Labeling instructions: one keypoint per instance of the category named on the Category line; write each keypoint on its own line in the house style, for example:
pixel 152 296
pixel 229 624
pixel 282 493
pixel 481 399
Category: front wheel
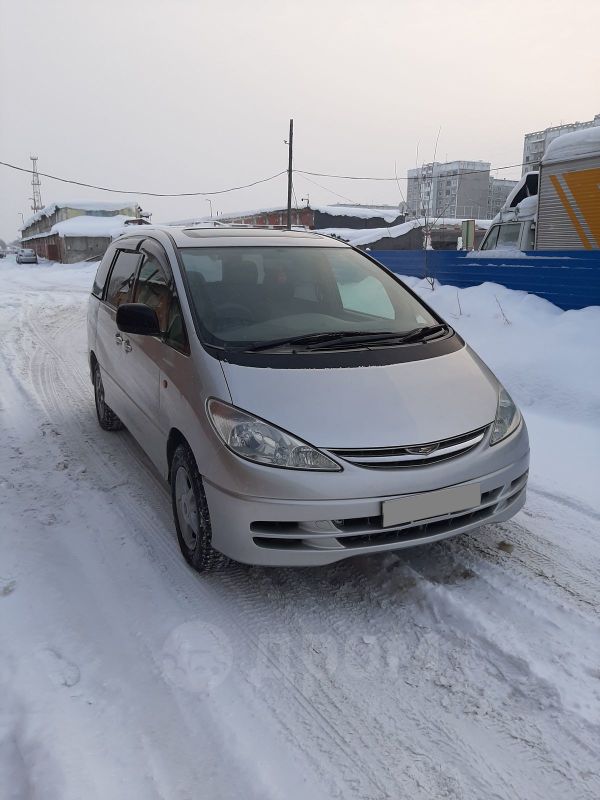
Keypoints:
pixel 190 511
pixel 106 416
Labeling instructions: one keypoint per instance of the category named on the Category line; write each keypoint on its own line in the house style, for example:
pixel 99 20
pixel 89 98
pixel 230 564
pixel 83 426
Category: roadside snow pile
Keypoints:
pixel 502 252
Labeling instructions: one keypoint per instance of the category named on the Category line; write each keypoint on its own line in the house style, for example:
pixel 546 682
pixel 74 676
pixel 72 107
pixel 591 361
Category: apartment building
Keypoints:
pixel 455 189
pixel 534 144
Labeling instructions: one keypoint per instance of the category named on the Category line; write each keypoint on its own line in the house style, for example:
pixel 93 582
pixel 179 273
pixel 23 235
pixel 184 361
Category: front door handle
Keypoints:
pixel 118 338
pixel 127 345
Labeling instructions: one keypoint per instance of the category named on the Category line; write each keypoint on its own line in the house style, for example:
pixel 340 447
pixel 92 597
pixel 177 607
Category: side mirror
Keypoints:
pixel 137 318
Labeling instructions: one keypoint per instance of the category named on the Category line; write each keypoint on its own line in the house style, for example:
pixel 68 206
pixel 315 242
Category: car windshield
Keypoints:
pixel 252 295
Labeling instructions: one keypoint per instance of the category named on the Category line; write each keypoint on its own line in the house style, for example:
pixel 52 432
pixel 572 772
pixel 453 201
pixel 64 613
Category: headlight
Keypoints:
pixel 507 419
pixel 257 440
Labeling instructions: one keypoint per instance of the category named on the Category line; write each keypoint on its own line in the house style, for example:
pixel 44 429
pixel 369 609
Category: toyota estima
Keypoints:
pixel 304 404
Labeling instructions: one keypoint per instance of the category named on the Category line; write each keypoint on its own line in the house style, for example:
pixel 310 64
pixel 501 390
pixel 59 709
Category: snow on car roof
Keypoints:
pixel 577 144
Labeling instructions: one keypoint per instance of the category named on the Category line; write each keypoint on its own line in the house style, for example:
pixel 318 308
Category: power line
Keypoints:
pixel 147 194
pixel 302 172
pixel 417 177
pixel 337 194
pixel 395 178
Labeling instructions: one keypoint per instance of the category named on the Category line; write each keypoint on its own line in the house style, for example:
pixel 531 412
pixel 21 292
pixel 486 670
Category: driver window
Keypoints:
pixel 152 289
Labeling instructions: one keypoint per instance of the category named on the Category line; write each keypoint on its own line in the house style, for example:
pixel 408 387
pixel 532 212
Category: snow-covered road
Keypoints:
pixel 469 669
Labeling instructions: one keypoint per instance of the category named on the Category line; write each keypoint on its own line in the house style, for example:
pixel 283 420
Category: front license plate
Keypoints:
pixel 417 507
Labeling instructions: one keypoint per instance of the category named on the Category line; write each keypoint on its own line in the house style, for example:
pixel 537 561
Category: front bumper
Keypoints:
pixel 313 532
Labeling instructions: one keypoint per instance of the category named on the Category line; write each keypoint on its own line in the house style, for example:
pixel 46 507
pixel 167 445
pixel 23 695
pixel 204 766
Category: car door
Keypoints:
pixel 143 354
pixel 109 340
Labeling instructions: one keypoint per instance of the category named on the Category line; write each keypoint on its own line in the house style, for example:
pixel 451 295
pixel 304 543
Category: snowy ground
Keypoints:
pixel 470 669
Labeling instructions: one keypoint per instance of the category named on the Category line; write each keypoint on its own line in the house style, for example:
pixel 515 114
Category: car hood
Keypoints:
pixel 399 404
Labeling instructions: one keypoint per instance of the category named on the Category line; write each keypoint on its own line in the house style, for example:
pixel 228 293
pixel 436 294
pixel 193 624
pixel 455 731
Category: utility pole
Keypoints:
pixel 290 155
pixel 35 187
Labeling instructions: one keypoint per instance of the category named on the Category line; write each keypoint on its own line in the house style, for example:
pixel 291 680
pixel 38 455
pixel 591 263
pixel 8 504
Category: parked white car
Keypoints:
pixel 305 405
pixel 27 256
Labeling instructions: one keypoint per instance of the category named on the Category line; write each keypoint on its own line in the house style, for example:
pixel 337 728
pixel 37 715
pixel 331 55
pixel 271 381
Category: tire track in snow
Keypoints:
pixel 317 718
pixel 49 371
pixel 330 721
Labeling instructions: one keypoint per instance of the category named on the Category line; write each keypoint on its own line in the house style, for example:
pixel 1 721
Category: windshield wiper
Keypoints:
pixel 421 334
pixel 424 334
pixel 309 339
pixel 340 339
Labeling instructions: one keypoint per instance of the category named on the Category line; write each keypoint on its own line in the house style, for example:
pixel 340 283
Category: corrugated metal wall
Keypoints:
pixel 569 206
pixel 569 280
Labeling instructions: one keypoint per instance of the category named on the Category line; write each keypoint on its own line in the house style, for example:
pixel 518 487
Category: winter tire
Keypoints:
pixel 190 511
pixel 106 416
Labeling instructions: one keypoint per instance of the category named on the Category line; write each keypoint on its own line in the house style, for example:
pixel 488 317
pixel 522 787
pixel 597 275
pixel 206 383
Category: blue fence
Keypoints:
pixel 567 279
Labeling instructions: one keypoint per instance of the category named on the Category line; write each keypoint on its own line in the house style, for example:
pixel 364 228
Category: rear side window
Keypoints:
pixel 101 274
pixel 121 278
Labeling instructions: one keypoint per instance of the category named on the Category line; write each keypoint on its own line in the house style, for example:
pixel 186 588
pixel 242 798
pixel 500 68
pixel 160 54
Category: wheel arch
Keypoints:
pixel 174 439
pixel 93 362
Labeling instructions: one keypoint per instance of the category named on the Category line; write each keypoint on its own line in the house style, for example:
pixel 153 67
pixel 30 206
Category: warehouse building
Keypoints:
pixel 314 217
pixel 78 231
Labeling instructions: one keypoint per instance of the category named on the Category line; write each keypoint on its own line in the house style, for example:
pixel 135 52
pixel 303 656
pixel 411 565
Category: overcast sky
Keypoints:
pixel 195 95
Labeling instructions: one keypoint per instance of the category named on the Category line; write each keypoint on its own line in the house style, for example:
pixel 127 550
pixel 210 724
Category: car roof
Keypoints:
pixel 235 236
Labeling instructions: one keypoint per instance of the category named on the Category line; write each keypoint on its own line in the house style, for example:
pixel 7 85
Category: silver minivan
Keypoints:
pixel 304 404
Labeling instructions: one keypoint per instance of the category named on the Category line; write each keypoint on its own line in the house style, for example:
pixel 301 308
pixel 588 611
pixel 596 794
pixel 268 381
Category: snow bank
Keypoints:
pixel 503 252
pixel 577 144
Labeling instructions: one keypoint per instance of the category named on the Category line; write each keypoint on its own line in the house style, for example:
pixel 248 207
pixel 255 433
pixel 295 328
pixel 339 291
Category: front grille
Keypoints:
pixel 416 455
